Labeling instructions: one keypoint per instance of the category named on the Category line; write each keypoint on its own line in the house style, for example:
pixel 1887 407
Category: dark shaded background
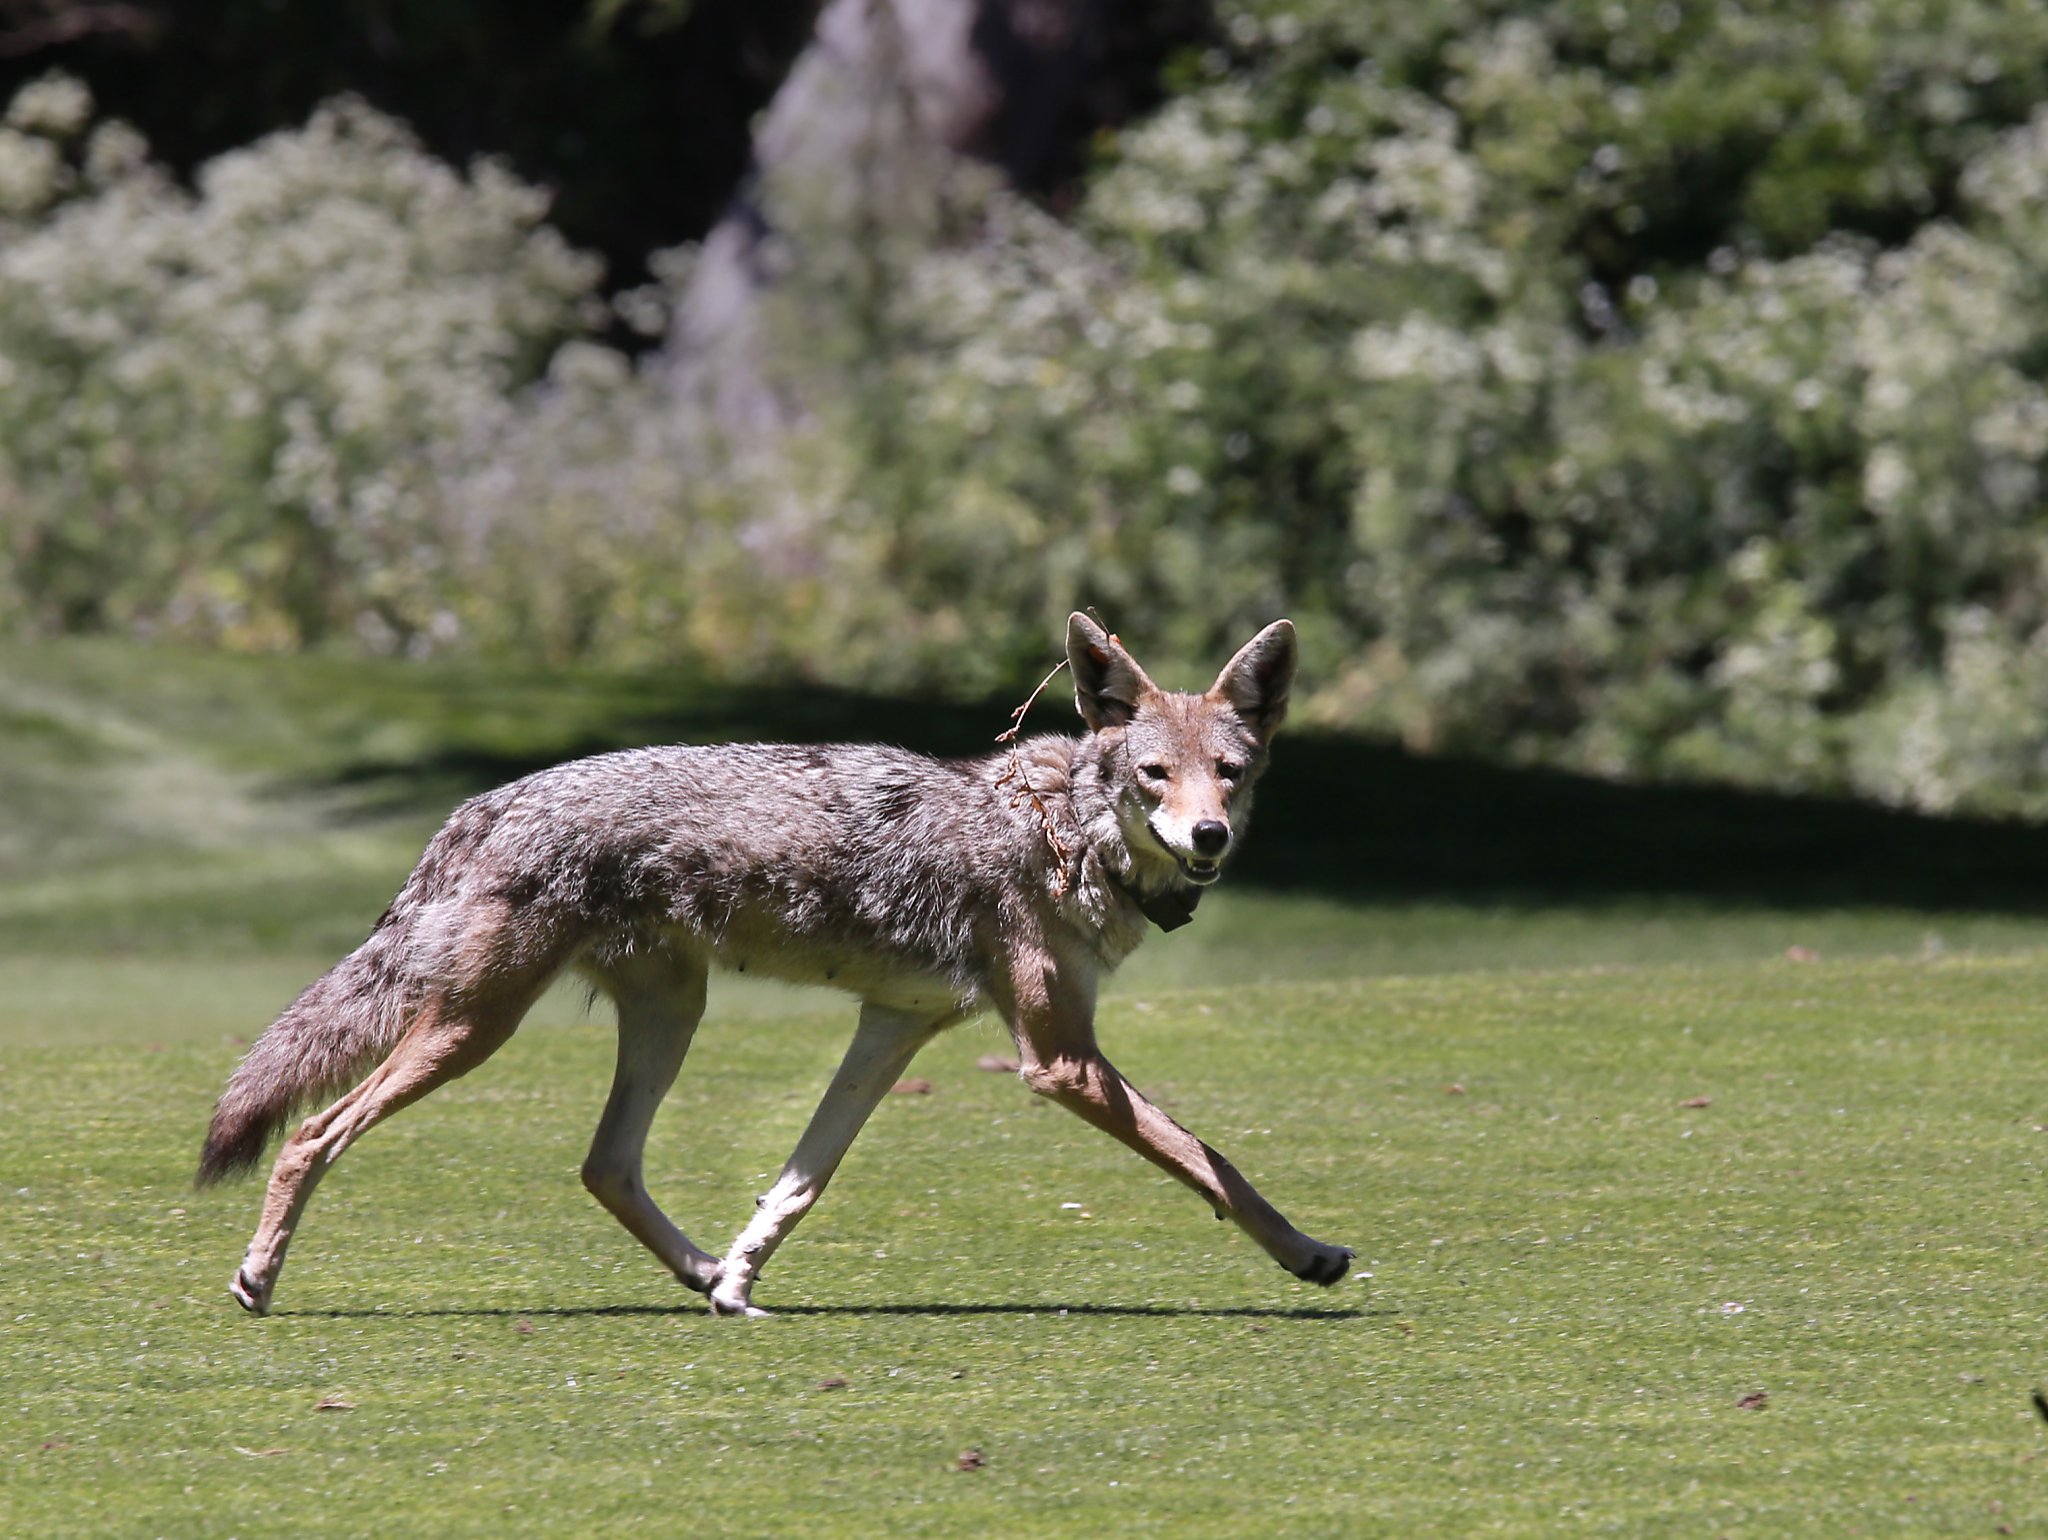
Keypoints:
pixel 638 116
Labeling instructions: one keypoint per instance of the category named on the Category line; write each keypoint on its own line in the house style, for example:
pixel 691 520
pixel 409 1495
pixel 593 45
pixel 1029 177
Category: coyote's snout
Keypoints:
pixel 929 889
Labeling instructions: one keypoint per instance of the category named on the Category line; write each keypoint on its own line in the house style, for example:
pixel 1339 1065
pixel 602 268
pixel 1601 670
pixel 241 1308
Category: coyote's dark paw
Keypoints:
pixel 248 1295
pixel 1327 1266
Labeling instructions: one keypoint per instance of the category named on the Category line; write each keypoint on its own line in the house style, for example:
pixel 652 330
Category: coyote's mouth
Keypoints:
pixel 1199 870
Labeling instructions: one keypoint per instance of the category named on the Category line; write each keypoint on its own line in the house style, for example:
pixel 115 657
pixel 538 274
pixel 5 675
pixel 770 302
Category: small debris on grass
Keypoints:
pixel 1697 1101
pixel 523 1326
pixel 1801 954
pixel 997 1064
pixel 1755 1401
pixel 832 1382
pixel 914 1086
pixel 257 1454
pixel 970 1459
pixel 1454 1089
pixel 333 1404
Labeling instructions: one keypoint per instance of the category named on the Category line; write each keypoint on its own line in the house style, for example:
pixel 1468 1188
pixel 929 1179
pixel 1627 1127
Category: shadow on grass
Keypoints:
pixel 1357 819
pixel 570 1312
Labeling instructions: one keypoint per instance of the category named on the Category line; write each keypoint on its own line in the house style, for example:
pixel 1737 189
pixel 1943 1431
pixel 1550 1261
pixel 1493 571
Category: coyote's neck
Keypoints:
pixel 1088 859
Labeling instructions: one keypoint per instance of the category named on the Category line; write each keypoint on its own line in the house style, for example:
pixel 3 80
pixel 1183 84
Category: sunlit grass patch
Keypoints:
pixel 1655 1249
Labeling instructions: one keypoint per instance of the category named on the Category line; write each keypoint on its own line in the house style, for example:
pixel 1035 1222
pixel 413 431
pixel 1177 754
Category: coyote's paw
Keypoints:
pixel 246 1294
pixel 735 1304
pixel 1326 1266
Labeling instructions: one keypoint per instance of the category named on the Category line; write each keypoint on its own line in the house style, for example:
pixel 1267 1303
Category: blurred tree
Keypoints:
pixel 852 159
pixel 639 114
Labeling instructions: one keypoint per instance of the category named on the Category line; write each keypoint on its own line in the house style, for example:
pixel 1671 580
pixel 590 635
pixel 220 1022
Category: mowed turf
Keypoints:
pixel 1664 1250
pixel 1660 1230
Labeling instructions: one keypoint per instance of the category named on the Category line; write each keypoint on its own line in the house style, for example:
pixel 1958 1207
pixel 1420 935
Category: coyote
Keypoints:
pixel 930 889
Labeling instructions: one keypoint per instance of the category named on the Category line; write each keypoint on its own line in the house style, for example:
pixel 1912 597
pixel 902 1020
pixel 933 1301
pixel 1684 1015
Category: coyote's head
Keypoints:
pixel 1181 766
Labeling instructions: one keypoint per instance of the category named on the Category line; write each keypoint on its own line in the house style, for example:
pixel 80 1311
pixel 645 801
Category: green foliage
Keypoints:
pixel 1647 388
pixel 1651 388
pixel 220 411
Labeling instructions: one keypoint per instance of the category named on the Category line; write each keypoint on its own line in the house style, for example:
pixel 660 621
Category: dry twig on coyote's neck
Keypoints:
pixel 1011 736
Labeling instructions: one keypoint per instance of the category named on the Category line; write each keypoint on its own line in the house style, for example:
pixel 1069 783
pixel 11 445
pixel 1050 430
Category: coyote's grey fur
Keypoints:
pixel 930 889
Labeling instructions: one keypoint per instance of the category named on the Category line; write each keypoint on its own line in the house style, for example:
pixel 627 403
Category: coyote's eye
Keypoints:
pixel 1229 770
pixel 1155 772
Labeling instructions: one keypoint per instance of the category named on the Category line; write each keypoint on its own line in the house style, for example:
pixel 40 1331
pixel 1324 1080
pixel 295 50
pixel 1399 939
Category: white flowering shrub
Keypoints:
pixel 1657 387
pixel 1595 397
pixel 1591 397
pixel 222 411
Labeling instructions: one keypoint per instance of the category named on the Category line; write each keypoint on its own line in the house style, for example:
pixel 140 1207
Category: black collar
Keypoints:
pixel 1169 910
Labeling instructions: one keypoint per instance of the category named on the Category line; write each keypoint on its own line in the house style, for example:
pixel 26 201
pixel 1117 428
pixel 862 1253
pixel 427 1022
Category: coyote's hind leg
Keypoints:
pixel 446 1041
pixel 660 1001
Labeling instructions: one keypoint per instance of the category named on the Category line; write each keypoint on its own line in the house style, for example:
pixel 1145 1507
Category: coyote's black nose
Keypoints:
pixel 1211 837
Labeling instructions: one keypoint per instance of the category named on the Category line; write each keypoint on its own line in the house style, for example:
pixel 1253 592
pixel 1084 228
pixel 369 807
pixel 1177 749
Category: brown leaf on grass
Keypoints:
pixel 1697 1101
pixel 914 1086
pixel 997 1064
pixel 1454 1089
pixel 333 1404
pixel 832 1382
pixel 1755 1401
pixel 1801 954
pixel 970 1459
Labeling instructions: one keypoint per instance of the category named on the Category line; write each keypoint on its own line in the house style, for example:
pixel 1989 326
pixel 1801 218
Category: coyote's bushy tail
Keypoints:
pixel 352 1014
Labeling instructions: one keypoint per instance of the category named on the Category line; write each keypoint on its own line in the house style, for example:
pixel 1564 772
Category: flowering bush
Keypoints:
pixel 1599 393
pixel 221 411
pixel 1658 388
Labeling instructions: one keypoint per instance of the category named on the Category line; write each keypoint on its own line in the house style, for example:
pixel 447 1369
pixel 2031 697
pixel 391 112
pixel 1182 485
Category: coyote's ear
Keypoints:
pixel 1108 684
pixel 1255 682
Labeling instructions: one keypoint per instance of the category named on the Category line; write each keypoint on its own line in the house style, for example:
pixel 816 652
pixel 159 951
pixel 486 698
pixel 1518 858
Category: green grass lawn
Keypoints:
pixel 1659 1231
pixel 1572 1281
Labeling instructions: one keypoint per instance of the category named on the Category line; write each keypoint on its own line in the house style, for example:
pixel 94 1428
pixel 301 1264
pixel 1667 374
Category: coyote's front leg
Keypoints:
pixel 882 1048
pixel 1053 1016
